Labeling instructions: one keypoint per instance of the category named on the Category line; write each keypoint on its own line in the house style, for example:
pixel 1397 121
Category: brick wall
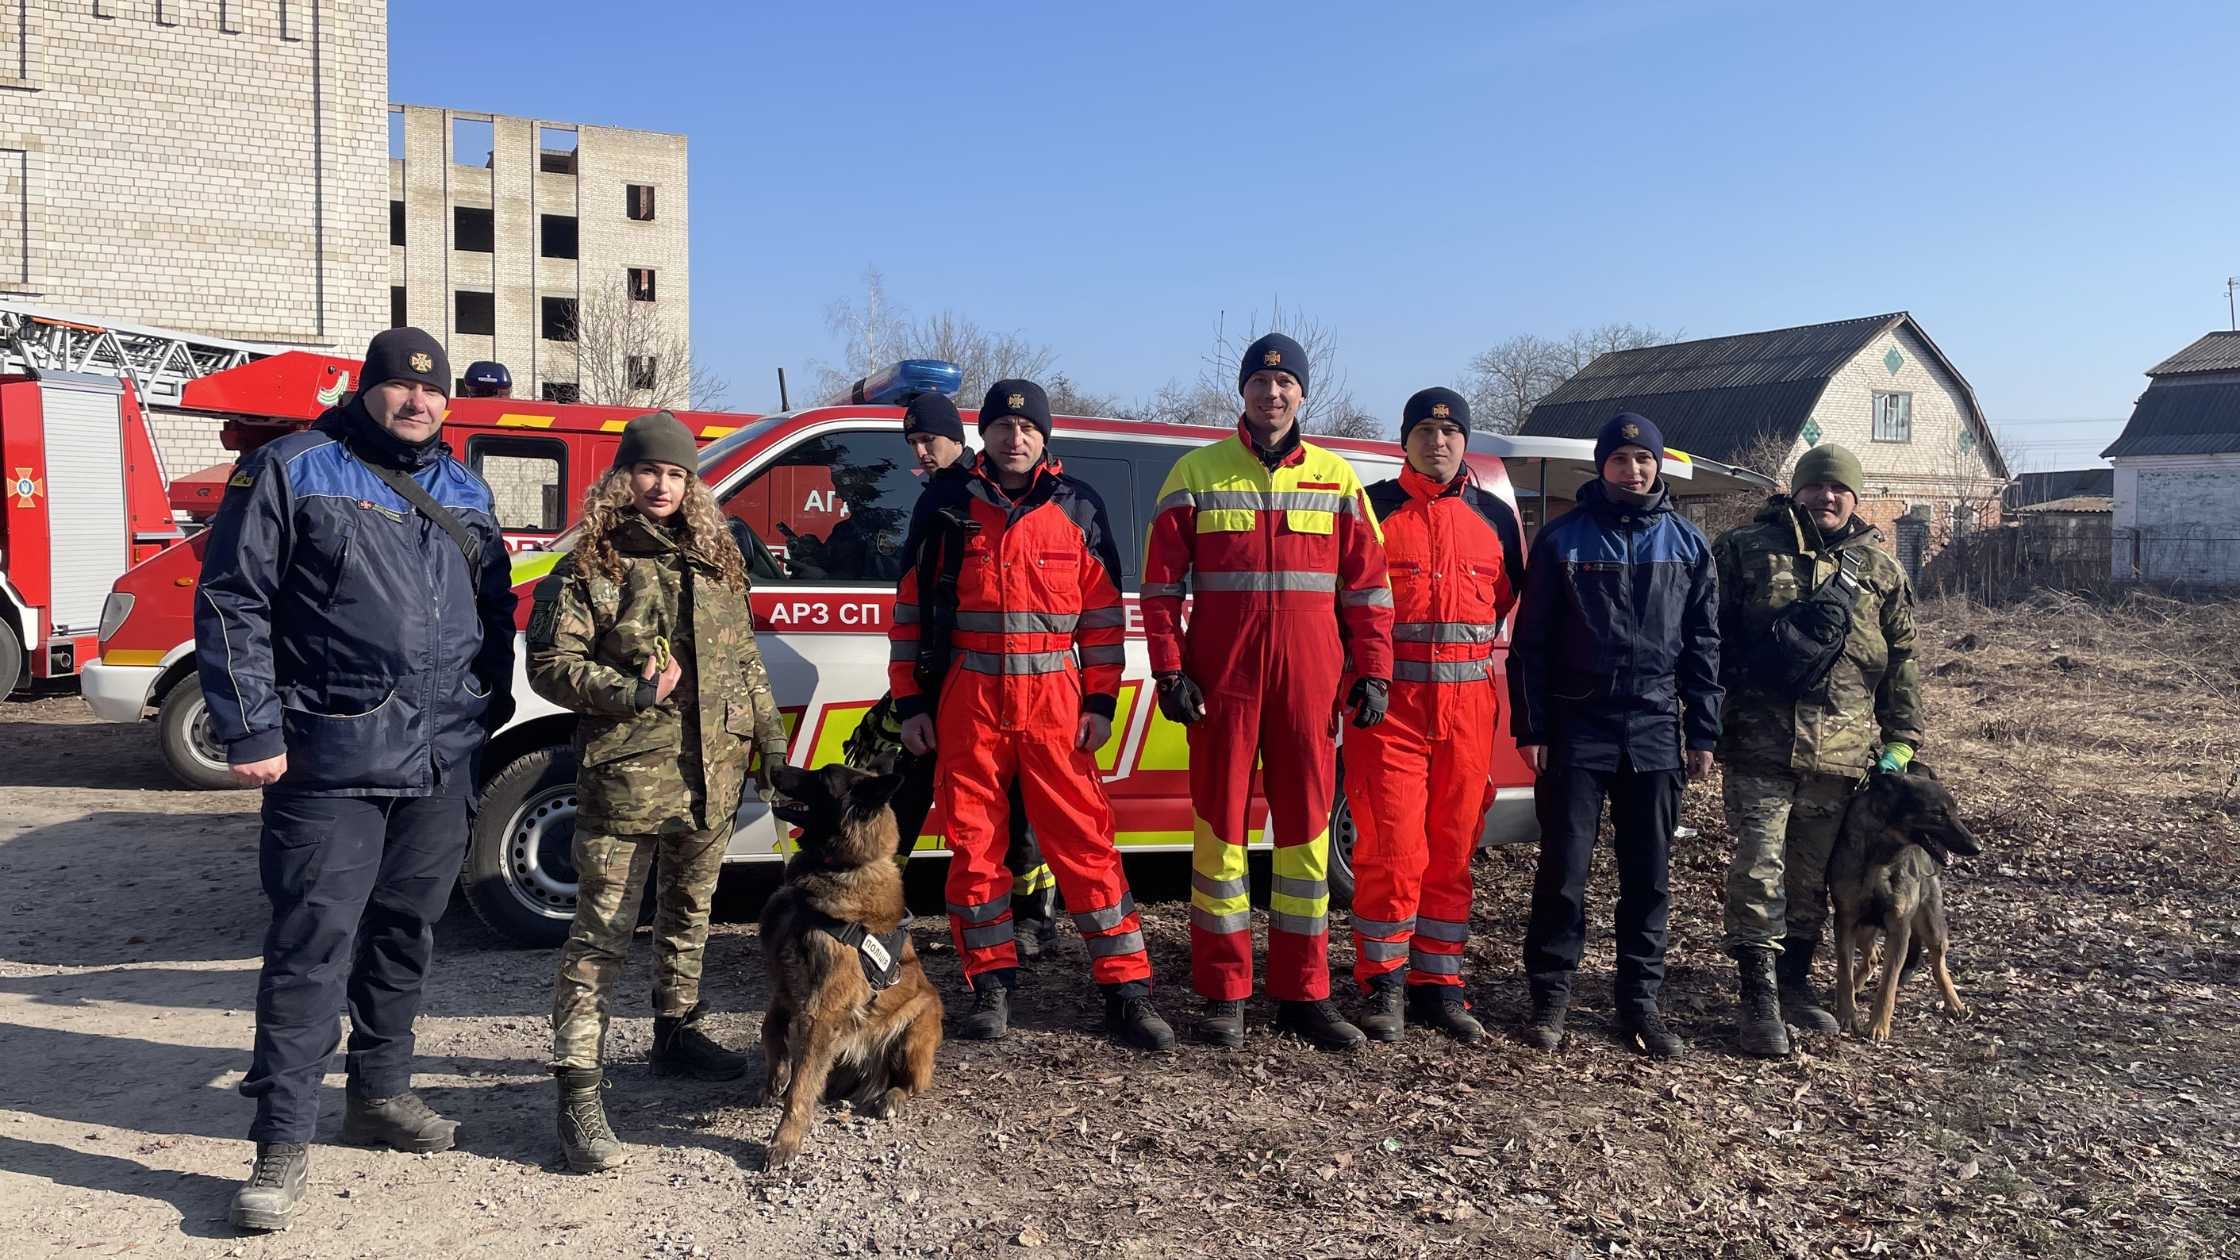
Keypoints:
pixel 191 176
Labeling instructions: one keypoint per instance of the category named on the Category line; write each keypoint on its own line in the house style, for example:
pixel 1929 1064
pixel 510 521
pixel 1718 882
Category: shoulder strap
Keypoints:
pixel 425 504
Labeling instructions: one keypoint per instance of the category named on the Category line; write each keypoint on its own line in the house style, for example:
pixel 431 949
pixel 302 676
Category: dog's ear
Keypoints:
pixel 884 761
pixel 870 795
pixel 1921 768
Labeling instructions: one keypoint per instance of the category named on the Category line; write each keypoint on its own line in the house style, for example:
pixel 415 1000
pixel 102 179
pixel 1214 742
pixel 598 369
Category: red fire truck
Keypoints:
pixel 539 458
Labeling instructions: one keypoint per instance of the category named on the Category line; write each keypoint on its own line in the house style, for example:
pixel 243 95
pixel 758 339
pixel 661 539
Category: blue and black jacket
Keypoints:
pixel 1616 651
pixel 337 624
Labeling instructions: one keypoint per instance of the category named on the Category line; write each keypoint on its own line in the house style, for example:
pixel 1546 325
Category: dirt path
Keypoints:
pixel 2087 1108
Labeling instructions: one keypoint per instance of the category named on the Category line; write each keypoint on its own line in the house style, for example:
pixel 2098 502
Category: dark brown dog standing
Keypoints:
pixel 1883 878
pixel 831 1034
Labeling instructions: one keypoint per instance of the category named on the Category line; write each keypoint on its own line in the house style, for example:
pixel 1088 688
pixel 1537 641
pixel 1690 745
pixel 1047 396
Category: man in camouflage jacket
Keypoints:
pixel 1791 762
pixel 660 774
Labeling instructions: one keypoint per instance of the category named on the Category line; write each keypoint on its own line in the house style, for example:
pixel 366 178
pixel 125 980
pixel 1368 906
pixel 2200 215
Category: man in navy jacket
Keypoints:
pixel 1615 670
pixel 354 655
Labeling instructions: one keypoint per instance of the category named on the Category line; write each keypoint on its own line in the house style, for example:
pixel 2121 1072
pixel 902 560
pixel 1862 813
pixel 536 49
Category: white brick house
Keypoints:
pixel 2178 471
pixel 1877 386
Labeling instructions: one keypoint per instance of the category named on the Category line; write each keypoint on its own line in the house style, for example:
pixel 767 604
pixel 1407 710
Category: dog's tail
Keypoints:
pixel 857 1084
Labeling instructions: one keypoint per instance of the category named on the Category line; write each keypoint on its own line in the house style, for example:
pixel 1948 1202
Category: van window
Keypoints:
pixel 528 478
pixel 834 508
pixel 1127 476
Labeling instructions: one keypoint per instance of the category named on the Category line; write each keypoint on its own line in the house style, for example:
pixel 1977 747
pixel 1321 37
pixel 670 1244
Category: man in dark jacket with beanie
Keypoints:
pixel 1615 672
pixel 354 634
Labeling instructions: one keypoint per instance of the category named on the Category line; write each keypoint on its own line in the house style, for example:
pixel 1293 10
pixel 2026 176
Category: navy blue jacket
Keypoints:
pixel 337 624
pixel 1616 652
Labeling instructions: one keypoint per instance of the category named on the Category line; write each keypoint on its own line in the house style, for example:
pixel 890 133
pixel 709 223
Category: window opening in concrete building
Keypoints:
pixel 166 13
pixel 15 218
pixel 641 284
pixel 287 27
pixel 559 319
pixel 476 314
pixel 472 230
pixel 526 476
pixel 557 234
pixel 396 223
pixel 1893 417
pixel 473 142
pixel 640 203
pixel 645 371
pixel 227 15
pixel 396 135
pixel 396 306
pixel 104 8
pixel 561 392
pixel 556 150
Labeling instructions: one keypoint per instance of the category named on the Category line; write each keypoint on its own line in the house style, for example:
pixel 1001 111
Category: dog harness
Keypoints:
pixel 879 952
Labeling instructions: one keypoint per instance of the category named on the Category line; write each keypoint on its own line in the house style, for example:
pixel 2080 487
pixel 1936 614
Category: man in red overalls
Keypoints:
pixel 1038 580
pixel 1273 537
pixel 1421 780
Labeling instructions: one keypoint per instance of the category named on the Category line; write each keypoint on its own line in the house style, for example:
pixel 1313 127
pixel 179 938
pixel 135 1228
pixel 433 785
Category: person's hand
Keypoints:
pixel 1699 763
pixel 260 773
pixel 664 679
pixel 766 775
pixel 1093 731
pixel 1894 759
pixel 917 735
pixel 1370 698
pixel 1180 699
pixel 1535 757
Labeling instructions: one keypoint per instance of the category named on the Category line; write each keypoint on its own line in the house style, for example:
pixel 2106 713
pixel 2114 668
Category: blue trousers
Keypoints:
pixel 356 885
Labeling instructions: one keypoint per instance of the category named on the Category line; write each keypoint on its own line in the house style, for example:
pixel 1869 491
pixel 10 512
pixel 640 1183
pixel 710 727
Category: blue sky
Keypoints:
pixel 2051 188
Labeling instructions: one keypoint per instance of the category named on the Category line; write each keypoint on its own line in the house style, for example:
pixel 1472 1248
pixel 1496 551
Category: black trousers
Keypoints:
pixel 356 885
pixel 914 800
pixel 1644 808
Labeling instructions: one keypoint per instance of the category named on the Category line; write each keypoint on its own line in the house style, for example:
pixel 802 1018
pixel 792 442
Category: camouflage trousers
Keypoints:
pixel 610 882
pixel 1784 824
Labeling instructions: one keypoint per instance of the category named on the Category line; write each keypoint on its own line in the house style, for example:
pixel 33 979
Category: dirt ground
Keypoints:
pixel 2087 1108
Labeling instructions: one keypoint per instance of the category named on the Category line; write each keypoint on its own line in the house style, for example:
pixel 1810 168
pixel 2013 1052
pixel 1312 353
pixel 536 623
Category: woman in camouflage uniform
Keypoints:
pixel 644 630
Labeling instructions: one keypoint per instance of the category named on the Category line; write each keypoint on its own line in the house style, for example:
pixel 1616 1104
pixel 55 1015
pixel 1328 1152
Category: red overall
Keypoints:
pixel 1420 781
pixel 1036 583
pixel 1287 576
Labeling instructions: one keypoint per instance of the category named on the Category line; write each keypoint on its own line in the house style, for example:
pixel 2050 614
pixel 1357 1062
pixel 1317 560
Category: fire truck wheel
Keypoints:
pixel 183 733
pixel 1342 835
pixel 520 875
pixel 11 661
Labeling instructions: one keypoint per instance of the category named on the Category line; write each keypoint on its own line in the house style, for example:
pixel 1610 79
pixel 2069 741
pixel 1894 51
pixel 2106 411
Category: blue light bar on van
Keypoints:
pixel 896 385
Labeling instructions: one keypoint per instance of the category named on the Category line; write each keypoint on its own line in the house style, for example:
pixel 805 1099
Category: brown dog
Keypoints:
pixel 1883 878
pixel 852 1016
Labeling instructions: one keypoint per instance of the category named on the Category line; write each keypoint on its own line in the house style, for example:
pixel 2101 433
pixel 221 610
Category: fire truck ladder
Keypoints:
pixel 157 360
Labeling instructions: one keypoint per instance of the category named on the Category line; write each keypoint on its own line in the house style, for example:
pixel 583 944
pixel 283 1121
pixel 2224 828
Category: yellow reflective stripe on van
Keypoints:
pixel 528 566
pixel 517 420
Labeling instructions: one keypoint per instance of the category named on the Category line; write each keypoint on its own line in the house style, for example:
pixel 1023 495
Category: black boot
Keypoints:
pixel 1642 1027
pixel 400 1122
pixel 1222 1024
pixel 681 1049
pixel 1543 1029
pixel 990 1018
pixel 1319 1023
pixel 590 1146
pixel 269 1200
pixel 1800 1002
pixel 1133 1021
pixel 1384 1015
pixel 1031 936
pixel 1440 1006
pixel 1760 1030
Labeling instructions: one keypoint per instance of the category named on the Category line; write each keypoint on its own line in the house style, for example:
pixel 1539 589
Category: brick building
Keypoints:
pixel 507 235
pixel 2177 471
pixel 1877 386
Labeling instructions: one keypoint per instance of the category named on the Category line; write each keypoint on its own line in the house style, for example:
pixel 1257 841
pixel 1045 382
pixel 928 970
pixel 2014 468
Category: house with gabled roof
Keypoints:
pixel 2177 470
pixel 1876 385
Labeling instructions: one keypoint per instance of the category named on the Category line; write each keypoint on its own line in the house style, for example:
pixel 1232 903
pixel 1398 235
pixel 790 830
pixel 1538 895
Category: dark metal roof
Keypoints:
pixel 2177 419
pixel 2073 503
pixel 2044 487
pixel 1720 396
pixel 2216 352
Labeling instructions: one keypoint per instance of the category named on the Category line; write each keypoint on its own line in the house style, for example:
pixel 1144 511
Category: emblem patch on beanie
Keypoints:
pixel 1272 358
pixel 1630 431
pixel 1016 400
pixel 421 362
pixel 1441 411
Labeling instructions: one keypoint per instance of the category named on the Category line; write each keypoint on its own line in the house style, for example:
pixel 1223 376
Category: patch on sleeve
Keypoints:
pixel 241 478
pixel 545 615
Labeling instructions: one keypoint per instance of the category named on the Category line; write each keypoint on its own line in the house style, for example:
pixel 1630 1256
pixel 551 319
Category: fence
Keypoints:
pixel 2082 554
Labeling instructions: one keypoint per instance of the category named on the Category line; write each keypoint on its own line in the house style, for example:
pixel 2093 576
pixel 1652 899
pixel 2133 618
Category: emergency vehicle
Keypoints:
pixel 539 458
pixel 827 491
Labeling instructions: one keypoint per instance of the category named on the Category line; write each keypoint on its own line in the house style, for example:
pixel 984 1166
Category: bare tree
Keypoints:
pixel 627 355
pixel 1505 380
pixel 1350 421
pixel 1767 453
pixel 1328 400
pixel 878 332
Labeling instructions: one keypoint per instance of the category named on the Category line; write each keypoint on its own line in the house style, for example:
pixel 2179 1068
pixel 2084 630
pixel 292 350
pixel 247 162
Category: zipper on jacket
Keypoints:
pixel 341 571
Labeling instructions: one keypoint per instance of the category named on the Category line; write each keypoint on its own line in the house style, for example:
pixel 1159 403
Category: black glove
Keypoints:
pixel 1180 699
pixel 1369 701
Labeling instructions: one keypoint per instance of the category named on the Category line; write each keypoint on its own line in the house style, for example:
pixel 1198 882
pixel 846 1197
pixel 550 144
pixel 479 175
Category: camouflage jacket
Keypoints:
pixel 1873 695
pixel 643 766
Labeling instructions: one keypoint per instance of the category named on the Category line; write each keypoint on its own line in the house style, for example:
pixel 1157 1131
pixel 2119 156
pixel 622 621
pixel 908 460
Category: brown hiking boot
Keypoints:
pixel 589 1145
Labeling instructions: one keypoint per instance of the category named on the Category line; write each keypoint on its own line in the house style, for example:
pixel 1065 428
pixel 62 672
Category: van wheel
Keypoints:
pixel 520 875
pixel 183 733
pixel 1342 835
pixel 11 661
